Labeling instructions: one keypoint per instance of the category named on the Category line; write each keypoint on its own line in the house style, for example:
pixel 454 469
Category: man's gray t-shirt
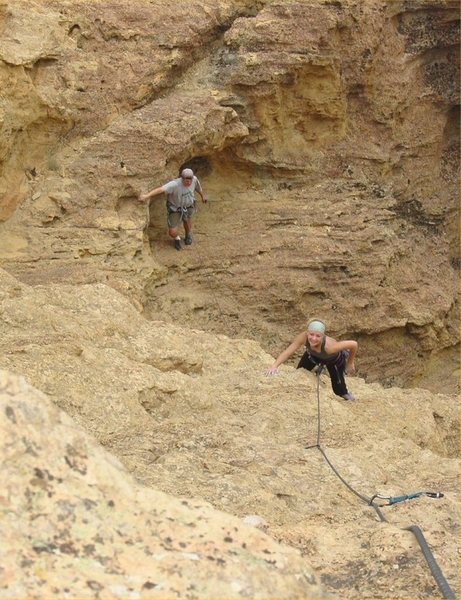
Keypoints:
pixel 179 195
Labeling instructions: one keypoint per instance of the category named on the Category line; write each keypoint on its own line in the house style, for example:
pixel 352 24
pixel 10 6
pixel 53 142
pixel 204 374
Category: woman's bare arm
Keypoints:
pixel 285 355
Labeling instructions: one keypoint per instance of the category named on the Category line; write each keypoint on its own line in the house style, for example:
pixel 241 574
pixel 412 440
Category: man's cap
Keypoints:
pixel 186 173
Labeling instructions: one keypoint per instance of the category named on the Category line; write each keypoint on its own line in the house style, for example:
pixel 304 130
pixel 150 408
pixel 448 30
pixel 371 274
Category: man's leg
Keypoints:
pixel 173 232
pixel 173 220
pixel 177 240
pixel 187 230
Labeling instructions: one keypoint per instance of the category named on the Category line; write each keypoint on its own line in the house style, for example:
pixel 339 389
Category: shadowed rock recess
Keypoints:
pixel 145 454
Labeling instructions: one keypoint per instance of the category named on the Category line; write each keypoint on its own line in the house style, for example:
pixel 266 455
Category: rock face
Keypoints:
pixel 75 525
pixel 193 415
pixel 326 134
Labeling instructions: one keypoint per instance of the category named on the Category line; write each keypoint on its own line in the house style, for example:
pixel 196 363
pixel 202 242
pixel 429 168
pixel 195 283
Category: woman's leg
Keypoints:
pixel 338 383
pixel 306 362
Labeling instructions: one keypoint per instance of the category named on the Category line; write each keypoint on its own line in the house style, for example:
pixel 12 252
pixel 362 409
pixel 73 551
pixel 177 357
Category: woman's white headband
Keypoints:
pixel 316 326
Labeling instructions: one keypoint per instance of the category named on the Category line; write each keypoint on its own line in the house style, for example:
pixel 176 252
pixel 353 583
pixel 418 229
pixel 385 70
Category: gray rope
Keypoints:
pixel 446 590
pixel 444 587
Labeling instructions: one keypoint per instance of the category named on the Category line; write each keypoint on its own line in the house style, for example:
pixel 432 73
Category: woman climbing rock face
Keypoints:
pixel 321 349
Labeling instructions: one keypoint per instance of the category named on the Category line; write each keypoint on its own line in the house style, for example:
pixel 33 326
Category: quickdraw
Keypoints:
pixel 395 499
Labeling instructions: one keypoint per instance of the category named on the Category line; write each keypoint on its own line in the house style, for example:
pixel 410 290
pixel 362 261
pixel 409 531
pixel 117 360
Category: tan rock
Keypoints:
pixel 193 414
pixel 327 138
pixel 80 526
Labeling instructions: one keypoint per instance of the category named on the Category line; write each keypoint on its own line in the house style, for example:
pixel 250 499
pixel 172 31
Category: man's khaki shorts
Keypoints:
pixel 174 217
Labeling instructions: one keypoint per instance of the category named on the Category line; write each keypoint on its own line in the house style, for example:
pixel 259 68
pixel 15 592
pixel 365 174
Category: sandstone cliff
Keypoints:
pixel 326 134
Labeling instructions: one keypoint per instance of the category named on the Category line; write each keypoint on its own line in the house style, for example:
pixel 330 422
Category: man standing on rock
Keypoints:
pixel 180 204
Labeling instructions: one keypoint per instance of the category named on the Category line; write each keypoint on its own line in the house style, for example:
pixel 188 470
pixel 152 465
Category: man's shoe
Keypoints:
pixel 348 397
pixel 177 244
pixel 188 239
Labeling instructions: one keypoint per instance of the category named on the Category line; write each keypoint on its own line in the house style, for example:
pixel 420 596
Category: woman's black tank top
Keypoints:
pixel 322 355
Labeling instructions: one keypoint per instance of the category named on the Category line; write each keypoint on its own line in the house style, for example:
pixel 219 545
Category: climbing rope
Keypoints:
pixel 445 589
